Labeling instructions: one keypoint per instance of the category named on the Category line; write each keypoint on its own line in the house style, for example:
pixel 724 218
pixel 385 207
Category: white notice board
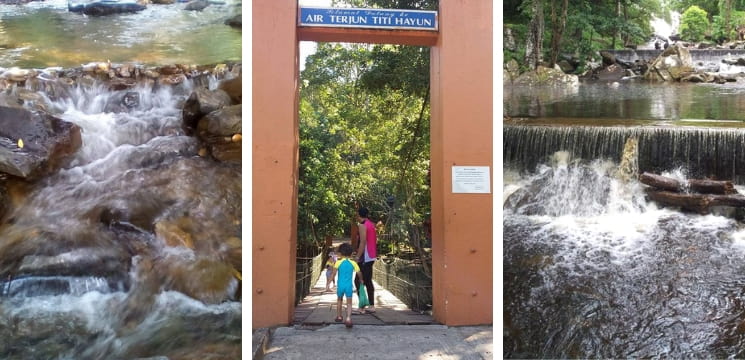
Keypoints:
pixel 471 180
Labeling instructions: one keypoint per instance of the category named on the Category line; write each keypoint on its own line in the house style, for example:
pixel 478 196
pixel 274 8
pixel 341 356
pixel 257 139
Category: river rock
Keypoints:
pixel 226 151
pixel 734 61
pixel 5 200
pixel 202 102
pixel 546 76
pixel 610 73
pixel 163 2
pixel 673 64
pixel 234 88
pixel 511 71
pixel 608 58
pixel 235 21
pixel 46 142
pixel 196 5
pixel 102 8
pixel 122 102
pixel 225 122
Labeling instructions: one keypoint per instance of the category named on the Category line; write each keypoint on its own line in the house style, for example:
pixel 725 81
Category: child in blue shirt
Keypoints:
pixel 347 269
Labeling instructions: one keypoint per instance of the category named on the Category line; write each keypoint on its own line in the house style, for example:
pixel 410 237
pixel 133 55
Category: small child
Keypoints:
pixel 330 270
pixel 347 269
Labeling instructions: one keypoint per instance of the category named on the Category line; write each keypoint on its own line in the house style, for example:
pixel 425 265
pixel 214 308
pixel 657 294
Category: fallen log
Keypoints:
pixel 700 203
pixel 703 186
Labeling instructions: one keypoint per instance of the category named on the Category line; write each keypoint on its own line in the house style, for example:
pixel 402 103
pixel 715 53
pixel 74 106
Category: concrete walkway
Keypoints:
pixel 393 332
pixel 387 342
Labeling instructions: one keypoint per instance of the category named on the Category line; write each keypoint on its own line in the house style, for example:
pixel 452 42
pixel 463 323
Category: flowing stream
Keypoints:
pixel 591 268
pixel 44 33
pixel 89 269
pixel 132 249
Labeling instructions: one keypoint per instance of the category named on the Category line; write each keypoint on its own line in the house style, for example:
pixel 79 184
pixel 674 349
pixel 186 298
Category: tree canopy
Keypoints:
pixel 364 138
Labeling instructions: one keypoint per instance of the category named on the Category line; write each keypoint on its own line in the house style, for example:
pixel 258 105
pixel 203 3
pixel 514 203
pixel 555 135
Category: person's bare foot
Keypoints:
pixel 348 323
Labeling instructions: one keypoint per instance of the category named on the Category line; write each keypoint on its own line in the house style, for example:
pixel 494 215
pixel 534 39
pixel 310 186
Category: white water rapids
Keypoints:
pixel 114 292
pixel 593 270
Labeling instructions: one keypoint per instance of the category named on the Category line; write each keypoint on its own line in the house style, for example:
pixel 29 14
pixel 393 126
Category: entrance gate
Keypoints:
pixel 461 137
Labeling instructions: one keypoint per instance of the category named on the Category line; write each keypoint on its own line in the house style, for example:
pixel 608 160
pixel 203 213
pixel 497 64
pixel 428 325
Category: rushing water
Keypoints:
pixel 124 253
pixel 591 268
pixel 44 33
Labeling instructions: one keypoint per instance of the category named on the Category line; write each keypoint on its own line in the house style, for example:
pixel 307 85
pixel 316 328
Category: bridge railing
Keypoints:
pixel 307 272
pixel 406 280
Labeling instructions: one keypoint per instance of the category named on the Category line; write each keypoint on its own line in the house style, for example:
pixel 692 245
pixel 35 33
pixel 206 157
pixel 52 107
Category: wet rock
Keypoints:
pixel 170 70
pixel 235 21
pixel 209 281
pixel 226 151
pixel 122 102
pixel 47 141
pixel 5 200
pixel 163 2
pixel 546 76
pixel 17 75
pixel 234 88
pixel 202 102
pixel 225 122
pixel 196 5
pixel 103 8
pixel 118 83
pixel 610 73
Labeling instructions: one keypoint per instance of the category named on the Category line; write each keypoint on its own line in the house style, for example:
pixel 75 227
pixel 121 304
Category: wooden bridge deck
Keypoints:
pixel 319 308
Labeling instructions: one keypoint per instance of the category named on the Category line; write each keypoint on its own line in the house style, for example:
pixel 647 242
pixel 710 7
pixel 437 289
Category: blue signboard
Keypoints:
pixel 368 18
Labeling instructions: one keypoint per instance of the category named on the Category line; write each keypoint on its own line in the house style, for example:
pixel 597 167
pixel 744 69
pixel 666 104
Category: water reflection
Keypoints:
pixel 628 100
pixel 42 34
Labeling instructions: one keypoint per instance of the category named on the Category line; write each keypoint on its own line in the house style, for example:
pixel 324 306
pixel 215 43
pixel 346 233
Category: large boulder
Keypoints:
pixel 511 71
pixel 672 65
pixel 34 143
pixel 202 102
pixel 225 122
pixel 546 76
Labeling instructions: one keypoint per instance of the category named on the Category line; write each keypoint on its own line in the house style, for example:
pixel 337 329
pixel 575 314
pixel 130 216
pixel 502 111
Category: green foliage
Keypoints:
pixel 590 25
pixel 364 129
pixel 694 24
pixel 709 6
pixel 718 27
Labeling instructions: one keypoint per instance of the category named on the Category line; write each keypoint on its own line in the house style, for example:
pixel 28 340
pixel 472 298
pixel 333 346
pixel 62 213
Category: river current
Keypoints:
pixel 132 249
pixel 591 267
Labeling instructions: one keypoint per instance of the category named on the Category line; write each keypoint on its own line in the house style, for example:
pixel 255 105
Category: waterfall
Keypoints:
pixel 717 153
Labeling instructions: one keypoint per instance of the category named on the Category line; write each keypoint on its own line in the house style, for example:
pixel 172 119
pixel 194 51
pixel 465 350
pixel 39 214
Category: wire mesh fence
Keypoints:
pixel 406 280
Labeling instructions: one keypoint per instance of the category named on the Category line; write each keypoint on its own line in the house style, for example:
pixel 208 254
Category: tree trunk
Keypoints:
pixel 700 203
pixel 615 30
pixel 697 185
pixel 534 42
pixel 558 29
pixel 727 9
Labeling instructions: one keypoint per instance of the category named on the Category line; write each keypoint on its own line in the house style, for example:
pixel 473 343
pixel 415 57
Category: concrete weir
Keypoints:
pixel 704 152
pixel 697 55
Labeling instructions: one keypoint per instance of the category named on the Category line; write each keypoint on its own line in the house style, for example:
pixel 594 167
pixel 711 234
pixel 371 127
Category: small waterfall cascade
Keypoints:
pixel 591 269
pixel 125 252
pixel 703 152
